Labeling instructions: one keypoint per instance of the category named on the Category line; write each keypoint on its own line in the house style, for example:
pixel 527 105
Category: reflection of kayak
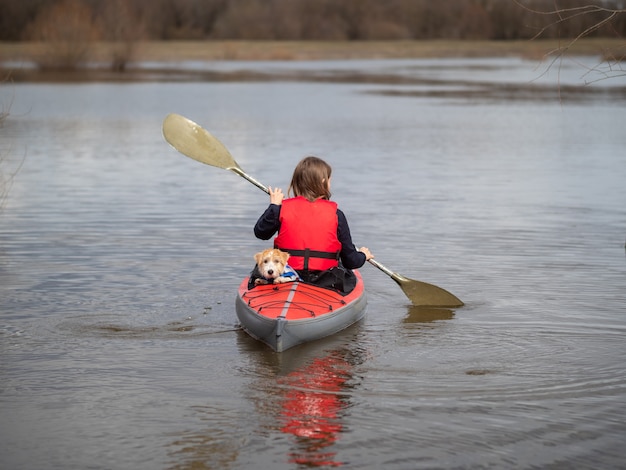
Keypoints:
pixel 285 315
pixel 313 408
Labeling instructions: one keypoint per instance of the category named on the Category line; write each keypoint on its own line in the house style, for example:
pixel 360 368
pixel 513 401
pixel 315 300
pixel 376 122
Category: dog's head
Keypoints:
pixel 271 262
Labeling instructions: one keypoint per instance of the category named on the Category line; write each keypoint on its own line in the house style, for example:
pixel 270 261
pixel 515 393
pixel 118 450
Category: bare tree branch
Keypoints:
pixel 568 14
pixel 6 177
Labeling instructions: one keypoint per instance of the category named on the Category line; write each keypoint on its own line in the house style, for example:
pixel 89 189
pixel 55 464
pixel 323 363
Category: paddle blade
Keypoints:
pixel 192 140
pixel 426 295
pixel 420 293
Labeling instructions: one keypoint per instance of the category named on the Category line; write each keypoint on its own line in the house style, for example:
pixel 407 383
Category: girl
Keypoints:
pixel 312 229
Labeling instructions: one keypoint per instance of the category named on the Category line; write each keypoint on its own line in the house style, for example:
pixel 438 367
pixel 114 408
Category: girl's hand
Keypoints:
pixel 276 196
pixel 368 255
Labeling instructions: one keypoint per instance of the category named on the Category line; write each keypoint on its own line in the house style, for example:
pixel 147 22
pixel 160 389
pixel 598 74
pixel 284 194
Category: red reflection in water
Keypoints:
pixel 311 410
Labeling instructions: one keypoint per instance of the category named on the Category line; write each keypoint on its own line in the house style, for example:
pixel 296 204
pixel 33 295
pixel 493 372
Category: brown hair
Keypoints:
pixel 310 179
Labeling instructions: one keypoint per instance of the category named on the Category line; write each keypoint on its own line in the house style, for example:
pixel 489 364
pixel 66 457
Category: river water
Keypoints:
pixel 119 261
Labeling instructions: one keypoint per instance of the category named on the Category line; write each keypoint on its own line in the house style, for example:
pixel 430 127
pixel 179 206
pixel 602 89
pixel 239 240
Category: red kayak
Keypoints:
pixel 285 315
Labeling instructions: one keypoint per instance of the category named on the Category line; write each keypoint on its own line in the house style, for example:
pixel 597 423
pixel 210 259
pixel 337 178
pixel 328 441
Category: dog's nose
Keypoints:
pixel 270 271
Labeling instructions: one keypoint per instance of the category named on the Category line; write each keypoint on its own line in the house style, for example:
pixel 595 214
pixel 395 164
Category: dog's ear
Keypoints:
pixel 258 257
pixel 284 256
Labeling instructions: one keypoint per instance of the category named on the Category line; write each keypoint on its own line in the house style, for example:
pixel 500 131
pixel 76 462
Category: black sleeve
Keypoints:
pixel 350 257
pixel 269 223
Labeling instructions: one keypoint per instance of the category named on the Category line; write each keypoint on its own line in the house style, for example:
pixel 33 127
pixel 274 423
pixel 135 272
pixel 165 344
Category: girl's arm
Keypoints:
pixel 351 258
pixel 269 223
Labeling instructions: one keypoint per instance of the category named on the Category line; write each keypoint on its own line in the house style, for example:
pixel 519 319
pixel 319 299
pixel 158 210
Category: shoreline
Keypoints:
pixel 169 53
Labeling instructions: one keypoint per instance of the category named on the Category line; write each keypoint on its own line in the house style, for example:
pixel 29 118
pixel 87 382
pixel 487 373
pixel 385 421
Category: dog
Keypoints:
pixel 272 268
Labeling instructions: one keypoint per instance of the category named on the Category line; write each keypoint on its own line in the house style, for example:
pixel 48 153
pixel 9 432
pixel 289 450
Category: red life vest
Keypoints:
pixel 308 232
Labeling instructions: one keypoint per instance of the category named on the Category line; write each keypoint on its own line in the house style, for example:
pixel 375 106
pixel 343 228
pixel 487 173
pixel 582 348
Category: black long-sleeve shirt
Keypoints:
pixel 269 224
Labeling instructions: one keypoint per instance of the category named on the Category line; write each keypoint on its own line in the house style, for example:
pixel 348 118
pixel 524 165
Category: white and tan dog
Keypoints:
pixel 272 267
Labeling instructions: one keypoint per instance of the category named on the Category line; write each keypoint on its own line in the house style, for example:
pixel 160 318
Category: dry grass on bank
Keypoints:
pixel 318 50
pixel 174 51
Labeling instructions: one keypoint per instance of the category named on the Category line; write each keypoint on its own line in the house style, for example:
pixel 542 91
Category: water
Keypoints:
pixel 119 259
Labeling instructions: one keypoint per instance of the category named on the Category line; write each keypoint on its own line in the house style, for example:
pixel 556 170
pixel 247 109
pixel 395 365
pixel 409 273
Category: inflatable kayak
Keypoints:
pixel 285 315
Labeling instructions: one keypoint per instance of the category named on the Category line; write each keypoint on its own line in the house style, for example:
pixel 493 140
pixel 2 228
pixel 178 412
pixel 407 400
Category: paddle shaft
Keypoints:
pixel 252 180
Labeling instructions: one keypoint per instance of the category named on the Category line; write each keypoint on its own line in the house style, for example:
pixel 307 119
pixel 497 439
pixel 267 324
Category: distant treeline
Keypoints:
pixel 132 20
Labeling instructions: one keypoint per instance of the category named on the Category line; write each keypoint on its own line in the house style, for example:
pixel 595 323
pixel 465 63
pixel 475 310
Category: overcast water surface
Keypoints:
pixel 120 258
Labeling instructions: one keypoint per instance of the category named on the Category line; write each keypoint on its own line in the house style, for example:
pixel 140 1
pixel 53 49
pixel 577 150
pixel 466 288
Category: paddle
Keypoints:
pixel 192 140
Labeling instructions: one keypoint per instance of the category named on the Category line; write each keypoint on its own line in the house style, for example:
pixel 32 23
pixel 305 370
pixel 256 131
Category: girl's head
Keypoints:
pixel 311 179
